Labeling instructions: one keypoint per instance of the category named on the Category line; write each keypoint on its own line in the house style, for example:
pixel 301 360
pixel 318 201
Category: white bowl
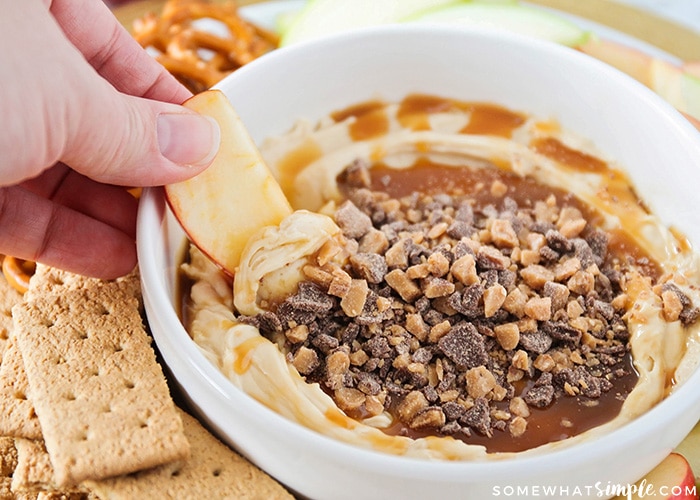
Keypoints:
pixel 623 119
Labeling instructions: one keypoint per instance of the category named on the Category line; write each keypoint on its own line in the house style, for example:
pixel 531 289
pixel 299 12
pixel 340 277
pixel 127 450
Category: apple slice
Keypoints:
pixel 680 88
pixel 627 59
pixel 223 206
pixel 323 17
pixel 679 85
pixel 690 449
pixel 672 479
pixel 513 17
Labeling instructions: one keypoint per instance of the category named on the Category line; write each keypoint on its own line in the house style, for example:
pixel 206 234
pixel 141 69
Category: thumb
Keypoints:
pixel 127 140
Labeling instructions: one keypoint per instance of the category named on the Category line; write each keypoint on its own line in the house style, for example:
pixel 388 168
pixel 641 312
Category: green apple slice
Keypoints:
pixel 223 206
pixel 677 86
pixel 627 59
pixel 285 20
pixel 324 17
pixel 517 18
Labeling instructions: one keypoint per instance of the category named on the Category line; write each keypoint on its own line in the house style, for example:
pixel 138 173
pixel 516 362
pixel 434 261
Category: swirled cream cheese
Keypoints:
pixel 461 135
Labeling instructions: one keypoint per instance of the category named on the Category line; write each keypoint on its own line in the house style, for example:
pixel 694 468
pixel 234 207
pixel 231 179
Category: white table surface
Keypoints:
pixel 686 12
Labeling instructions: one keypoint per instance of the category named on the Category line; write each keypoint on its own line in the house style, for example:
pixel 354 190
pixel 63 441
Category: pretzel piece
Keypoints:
pixel 199 57
pixel 17 272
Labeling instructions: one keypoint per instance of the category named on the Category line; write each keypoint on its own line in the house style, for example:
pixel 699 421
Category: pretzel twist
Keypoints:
pixel 17 272
pixel 200 58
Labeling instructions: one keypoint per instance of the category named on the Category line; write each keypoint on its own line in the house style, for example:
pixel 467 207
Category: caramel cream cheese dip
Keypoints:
pixel 458 281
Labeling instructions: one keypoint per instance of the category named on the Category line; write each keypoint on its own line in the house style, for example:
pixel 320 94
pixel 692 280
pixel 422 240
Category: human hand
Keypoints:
pixel 86 113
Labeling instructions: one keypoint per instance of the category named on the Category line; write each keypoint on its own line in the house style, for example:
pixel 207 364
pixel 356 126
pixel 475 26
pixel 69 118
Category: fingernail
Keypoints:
pixel 188 139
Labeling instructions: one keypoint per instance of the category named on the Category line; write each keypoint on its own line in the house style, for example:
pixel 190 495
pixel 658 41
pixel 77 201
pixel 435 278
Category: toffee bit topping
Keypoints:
pixel 458 318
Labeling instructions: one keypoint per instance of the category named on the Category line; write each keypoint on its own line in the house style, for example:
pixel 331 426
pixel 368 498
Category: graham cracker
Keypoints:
pixel 49 495
pixel 49 280
pixel 34 470
pixel 33 476
pixel 18 416
pixel 100 396
pixel 8 456
pixel 212 471
pixel 9 297
pixel 8 463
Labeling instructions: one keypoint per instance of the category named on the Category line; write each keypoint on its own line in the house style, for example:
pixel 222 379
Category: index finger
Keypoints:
pixel 113 52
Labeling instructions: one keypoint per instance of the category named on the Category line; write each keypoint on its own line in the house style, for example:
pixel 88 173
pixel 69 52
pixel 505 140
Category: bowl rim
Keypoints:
pixel 654 100
pixel 151 216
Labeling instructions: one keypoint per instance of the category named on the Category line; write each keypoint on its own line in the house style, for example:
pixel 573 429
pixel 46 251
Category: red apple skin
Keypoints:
pixel 672 479
pixel 695 122
pixel 692 68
